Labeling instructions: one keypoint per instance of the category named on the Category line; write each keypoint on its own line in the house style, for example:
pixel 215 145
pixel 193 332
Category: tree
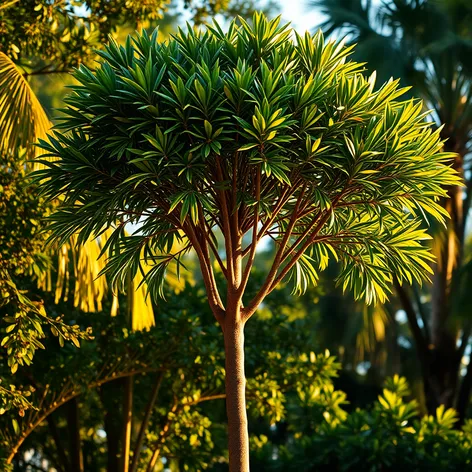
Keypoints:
pixel 251 134
pixel 428 44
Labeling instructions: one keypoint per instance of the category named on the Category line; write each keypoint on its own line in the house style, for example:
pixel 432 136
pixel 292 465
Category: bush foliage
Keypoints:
pixel 391 435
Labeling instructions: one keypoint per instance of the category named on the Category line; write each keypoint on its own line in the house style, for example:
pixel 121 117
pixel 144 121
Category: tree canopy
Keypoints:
pixel 309 151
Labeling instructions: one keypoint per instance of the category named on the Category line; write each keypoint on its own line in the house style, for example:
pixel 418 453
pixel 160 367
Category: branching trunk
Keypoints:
pixel 238 439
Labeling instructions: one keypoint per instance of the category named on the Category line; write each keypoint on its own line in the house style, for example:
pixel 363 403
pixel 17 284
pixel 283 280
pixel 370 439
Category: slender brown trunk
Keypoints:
pixel 145 422
pixel 73 423
pixel 463 398
pixel 127 422
pixel 61 453
pixel 238 439
pixel 110 396
pixel 442 370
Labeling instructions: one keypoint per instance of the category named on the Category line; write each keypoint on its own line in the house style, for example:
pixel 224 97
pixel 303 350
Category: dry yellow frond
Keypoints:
pixel 142 314
pixel 22 118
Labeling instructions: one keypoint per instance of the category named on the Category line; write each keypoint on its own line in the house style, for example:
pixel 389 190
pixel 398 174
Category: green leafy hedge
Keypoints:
pixel 389 436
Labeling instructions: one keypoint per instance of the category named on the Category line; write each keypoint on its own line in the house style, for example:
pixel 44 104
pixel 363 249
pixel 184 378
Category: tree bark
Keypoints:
pixel 464 394
pixel 145 422
pixel 235 382
pixel 61 453
pixel 442 376
pixel 127 420
pixel 110 396
pixel 73 423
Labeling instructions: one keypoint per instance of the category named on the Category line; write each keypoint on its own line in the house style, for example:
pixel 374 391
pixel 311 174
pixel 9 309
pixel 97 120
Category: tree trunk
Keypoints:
pixel 442 368
pixel 145 422
pixel 61 453
pixel 442 374
pixel 443 358
pixel 464 395
pixel 127 420
pixel 110 396
pixel 73 423
pixel 235 381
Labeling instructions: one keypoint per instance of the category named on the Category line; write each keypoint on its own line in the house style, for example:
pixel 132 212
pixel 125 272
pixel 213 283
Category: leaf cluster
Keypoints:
pixel 248 132
pixel 390 435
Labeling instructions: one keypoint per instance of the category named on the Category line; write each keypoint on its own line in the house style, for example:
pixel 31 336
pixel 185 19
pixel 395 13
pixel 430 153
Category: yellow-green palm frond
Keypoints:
pixel 22 118
pixel 89 289
pixel 371 330
pixel 22 122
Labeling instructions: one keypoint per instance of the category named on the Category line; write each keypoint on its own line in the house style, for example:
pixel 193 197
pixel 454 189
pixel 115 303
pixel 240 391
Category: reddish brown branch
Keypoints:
pixel 214 298
pixel 252 253
pixel 264 290
pixel 227 233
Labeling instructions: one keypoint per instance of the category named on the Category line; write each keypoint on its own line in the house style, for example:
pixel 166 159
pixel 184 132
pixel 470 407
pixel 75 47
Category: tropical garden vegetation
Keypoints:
pixel 172 158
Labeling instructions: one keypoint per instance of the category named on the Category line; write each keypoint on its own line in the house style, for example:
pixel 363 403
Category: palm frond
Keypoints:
pixel 22 118
pixel 353 16
pixel 22 122
pixel 362 24
pixel 372 330
pixel 140 305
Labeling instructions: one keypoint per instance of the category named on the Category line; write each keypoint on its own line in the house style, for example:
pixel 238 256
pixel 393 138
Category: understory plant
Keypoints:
pixel 389 435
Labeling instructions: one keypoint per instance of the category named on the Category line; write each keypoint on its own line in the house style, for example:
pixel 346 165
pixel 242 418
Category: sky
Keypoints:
pixel 300 15
pixel 297 12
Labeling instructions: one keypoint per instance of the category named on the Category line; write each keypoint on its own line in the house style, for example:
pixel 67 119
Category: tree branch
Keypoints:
pixel 8 4
pixel 309 241
pixel 214 298
pixel 75 392
pixel 162 435
pixel 264 290
pixel 214 249
pixel 226 222
pixel 286 195
pixel 252 253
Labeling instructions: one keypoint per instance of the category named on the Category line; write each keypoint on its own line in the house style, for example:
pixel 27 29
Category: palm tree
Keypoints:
pixel 429 45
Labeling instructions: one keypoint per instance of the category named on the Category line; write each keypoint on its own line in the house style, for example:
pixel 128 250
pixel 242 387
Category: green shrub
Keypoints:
pixel 389 436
